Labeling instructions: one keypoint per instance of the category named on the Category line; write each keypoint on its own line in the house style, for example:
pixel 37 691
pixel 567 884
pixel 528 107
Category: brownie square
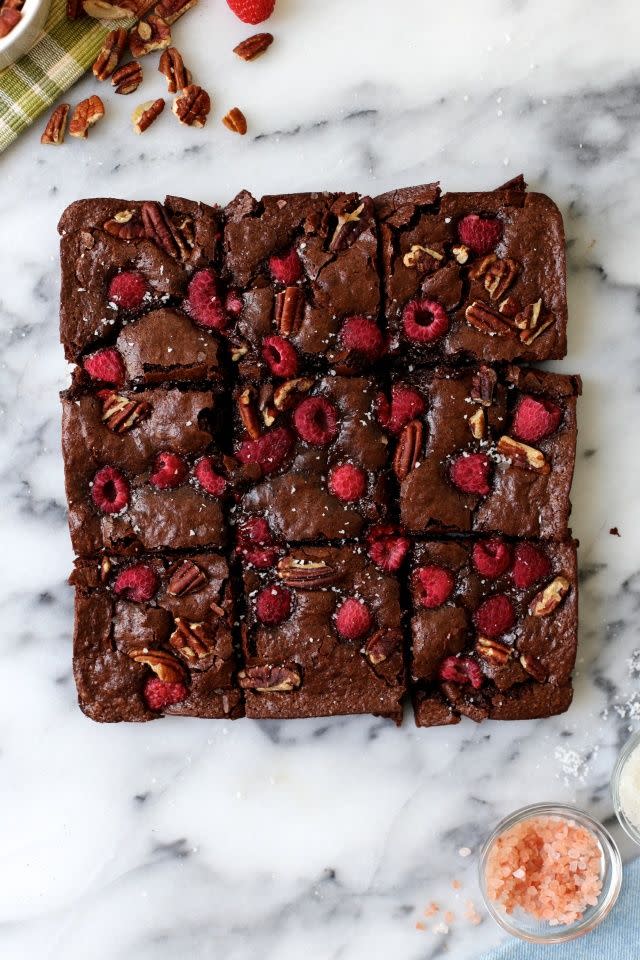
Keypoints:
pixel 130 461
pixel 302 265
pixel 154 637
pixel 319 471
pixel 322 637
pixel 473 276
pixel 494 629
pixel 484 449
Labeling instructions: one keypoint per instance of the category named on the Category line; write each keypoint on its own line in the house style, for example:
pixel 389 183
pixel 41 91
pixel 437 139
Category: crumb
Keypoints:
pixel 615 532
pixel 420 925
pixel 464 852
pixel 456 884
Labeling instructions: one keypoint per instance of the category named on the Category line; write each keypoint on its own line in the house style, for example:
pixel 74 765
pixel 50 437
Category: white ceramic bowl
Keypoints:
pixel 24 35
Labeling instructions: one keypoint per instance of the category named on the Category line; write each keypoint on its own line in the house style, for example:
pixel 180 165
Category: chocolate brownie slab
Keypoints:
pixel 494 629
pixel 473 276
pixel 322 637
pixel 153 637
pixel 142 470
pixel 481 449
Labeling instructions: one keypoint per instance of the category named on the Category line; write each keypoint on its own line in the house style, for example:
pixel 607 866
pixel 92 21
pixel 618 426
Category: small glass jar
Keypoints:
pixel 629 828
pixel 523 925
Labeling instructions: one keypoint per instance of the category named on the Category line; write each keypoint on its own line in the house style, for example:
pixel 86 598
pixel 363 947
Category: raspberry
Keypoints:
pixel 361 335
pixel 169 471
pixel 105 365
pixel 316 420
pixel 127 290
pixel 388 547
pixel 110 491
pixel 252 11
pixel 273 605
pixel 353 619
pixel 425 320
pixel 535 419
pixel 480 234
pixel 435 585
pixel 203 301
pixel 280 356
pixel 347 482
pixel 138 583
pixel 529 566
pixel 495 616
pixel 470 473
pixel 255 530
pixel 406 404
pixel 491 558
pixel 208 477
pixel 159 694
pixel 255 541
pixel 269 451
pixel 286 268
pixel 461 670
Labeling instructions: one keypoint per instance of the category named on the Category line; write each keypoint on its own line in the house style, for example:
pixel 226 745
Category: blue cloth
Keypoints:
pixel 617 937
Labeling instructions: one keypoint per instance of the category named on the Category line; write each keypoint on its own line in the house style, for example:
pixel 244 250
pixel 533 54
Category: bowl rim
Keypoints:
pixel 628 747
pixel 33 8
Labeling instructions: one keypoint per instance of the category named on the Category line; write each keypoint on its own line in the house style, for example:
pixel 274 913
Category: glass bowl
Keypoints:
pixel 521 924
pixel 629 828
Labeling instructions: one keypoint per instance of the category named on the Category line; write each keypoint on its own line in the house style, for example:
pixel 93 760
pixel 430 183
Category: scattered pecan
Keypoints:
pixel 461 253
pixel 103 10
pixel 349 226
pixel 550 598
pixel 287 393
pixel 478 424
pixel 126 225
pixel 74 9
pixel 192 106
pixel 289 310
pixel 483 385
pixel 56 126
pixel 193 641
pixel 146 113
pixel 522 455
pixel 87 113
pixel 149 35
pixel 248 413
pixel 306 574
pixel 486 319
pixel 409 449
pixel 527 319
pixel 422 258
pixel 235 121
pixel 127 78
pixel 528 336
pixel 253 46
pixel 534 668
pixel 164 665
pixel 271 678
pixel 109 56
pixel 172 67
pixel 382 645
pixel 187 578
pixel 493 650
pixel 121 413
pixel 172 10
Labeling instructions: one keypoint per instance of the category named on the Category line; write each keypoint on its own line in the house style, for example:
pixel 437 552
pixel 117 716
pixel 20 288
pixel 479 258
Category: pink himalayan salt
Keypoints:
pixel 548 866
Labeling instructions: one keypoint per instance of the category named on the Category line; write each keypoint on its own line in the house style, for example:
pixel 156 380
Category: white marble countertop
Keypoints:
pixel 322 839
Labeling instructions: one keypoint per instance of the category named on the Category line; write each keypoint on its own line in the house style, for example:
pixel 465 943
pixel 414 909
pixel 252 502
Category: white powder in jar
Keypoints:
pixel 630 788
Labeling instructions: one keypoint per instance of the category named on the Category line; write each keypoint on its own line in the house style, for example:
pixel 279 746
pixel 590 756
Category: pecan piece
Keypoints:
pixel 149 35
pixel 382 645
pixel 522 455
pixel 56 126
pixel 461 253
pixel 349 226
pixel 289 310
pixel 192 106
pixel 493 650
pixel 550 598
pixel 126 225
pixel 534 668
pixel 120 413
pixel 9 19
pixel 249 414
pixel 305 574
pixel 478 424
pixel 172 10
pixel 74 9
pixel 164 665
pixel 109 56
pixel 105 10
pixel 87 113
pixel 499 277
pixel 527 319
pixel 193 641
pixel 253 46
pixel 483 385
pixel 127 78
pixel 160 230
pixel 287 393
pixel 271 678
pixel 172 67
pixel 486 319
pixel 510 307
pixel 187 578
pixel 145 114
pixel 409 449
pixel 528 336
pixel 105 569
pixel 422 257
pixel 235 121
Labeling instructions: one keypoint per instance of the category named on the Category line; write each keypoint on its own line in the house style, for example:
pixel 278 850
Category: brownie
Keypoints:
pixel 494 629
pixel 302 265
pixel 131 460
pixel 473 276
pixel 154 637
pixel 322 637
pixel 484 449
pixel 318 472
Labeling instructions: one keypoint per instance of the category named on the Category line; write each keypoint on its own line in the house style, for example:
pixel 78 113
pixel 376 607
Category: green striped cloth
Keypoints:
pixel 62 53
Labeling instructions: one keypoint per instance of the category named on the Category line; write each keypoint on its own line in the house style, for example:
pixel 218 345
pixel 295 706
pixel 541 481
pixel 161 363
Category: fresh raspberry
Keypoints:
pixel 535 419
pixel 128 289
pixel 316 420
pixel 110 490
pixel 495 616
pixel 280 356
pixel 470 473
pixel 252 11
pixel 480 234
pixel 435 585
pixel 347 482
pixel 256 530
pixel 529 566
pixel 105 365
pixel 208 477
pixel 287 268
pixel 159 694
pixel 203 301
pixel 254 539
pixel 425 320
pixel 138 583
pixel 406 405
pixel 269 451
pixel 362 335
pixel 461 670
pixel 491 558
pixel 388 547
pixel 353 619
pixel 233 303
pixel 273 605
pixel 169 471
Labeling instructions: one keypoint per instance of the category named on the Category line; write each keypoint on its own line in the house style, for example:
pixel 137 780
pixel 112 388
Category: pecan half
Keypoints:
pixel 187 578
pixel 499 277
pixel 409 449
pixel 172 10
pixel 109 56
pixel 306 574
pixel 56 126
pixel 172 67
pixel 253 46
pixel 289 310
pixel 478 424
pixel 288 392
pixel 493 650
pixel 192 106
pixel 461 253
pixel 350 225
pixel 164 665
pixel 482 386
pixel 126 225
pixel 534 668
pixel 145 114
pixel 103 10
pixel 120 413
pixel 382 645
pixel 522 455
pixel 271 678
pixel 127 78
pixel 149 35
pixel 235 121
pixel 486 319
pixel 248 413
pixel 422 258
pixel 550 598
pixel 160 230
pixel 193 641
pixel 87 113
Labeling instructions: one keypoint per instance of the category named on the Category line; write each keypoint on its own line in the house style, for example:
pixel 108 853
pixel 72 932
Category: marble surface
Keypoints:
pixel 324 839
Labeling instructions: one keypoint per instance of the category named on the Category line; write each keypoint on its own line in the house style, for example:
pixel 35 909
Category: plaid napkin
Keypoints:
pixel 62 53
